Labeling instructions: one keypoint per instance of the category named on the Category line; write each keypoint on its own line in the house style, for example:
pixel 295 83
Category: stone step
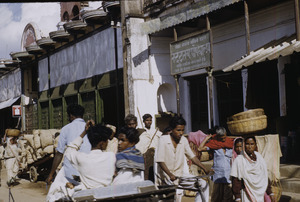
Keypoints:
pixel 290 197
pixel 290 184
pixel 289 170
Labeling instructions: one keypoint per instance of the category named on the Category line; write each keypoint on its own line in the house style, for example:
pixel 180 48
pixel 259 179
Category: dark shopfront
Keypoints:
pixel 289 126
pixel 228 96
pixel 97 95
pixel 7 120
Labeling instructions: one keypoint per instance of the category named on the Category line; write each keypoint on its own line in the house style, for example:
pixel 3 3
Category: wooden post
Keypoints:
pixel 116 74
pixel 247 27
pixel 210 78
pixel 176 77
pixel 297 19
pixel 177 94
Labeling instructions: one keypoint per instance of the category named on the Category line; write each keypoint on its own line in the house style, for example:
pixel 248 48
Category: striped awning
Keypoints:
pixel 271 51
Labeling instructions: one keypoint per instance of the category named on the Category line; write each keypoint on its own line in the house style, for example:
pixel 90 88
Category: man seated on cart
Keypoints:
pixel 96 169
pixel 130 161
pixel 171 153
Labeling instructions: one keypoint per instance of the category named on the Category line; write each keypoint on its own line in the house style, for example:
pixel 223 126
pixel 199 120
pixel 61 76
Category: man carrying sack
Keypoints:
pixel 11 155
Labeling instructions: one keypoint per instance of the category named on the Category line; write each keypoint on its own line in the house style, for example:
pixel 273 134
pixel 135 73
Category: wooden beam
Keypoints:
pixel 297 19
pixel 247 27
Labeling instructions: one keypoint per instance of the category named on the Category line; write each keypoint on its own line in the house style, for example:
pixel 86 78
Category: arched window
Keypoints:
pixel 75 12
pixel 66 17
pixel 166 98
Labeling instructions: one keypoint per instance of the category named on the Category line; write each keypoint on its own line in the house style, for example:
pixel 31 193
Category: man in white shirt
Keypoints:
pixel 1 158
pixel 68 133
pixel 97 168
pixel 171 153
pixel 149 138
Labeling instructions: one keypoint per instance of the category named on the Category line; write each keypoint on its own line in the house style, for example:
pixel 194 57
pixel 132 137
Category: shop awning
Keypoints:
pixel 8 103
pixel 190 12
pixel 271 51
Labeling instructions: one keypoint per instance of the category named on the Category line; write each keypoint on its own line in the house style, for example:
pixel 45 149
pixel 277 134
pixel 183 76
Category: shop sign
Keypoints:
pixel 190 54
pixel 16 110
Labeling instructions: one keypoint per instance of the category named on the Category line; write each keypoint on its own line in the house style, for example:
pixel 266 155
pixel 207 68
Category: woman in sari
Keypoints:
pixel 249 175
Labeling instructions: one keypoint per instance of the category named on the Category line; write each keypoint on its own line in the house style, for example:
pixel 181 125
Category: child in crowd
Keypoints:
pixel 130 161
pixel 237 148
pixel 171 152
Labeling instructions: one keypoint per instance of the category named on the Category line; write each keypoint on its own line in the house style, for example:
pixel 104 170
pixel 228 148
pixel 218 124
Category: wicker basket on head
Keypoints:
pixel 246 126
pixel 247 114
pixel 12 132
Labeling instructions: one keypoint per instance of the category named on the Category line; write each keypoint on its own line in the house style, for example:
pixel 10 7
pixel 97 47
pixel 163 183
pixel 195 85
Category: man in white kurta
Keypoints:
pixel 11 156
pixel 149 138
pixel 1 158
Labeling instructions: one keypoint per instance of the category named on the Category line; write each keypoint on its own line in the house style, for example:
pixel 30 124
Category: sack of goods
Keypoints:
pixel 12 132
pixel 38 144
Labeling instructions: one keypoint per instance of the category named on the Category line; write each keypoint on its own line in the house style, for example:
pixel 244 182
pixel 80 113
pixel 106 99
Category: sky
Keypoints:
pixel 15 16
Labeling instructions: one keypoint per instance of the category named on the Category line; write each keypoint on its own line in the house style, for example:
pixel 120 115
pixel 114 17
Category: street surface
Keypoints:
pixel 26 191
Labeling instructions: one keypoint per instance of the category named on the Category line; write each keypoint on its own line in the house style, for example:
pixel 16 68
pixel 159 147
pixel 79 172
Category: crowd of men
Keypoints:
pixel 97 155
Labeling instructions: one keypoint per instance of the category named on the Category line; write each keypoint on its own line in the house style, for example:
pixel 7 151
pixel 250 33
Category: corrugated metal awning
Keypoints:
pixel 190 12
pixel 271 51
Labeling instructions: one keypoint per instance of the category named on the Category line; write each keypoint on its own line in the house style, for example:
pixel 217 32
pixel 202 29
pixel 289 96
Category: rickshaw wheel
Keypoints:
pixel 33 175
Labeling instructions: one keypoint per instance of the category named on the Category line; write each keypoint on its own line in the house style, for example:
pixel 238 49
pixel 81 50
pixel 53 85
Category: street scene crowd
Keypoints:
pixel 96 155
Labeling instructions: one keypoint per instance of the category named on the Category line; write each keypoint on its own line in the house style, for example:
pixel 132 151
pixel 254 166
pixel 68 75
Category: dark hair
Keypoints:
pixel 98 133
pixel 211 131
pixel 146 116
pixel 176 120
pixel 129 118
pixel 167 130
pixel 249 137
pixel 220 131
pixel 132 134
pixel 237 140
pixel 75 110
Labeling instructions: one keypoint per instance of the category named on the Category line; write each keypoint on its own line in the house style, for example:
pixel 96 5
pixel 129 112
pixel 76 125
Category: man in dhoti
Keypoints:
pixel 11 156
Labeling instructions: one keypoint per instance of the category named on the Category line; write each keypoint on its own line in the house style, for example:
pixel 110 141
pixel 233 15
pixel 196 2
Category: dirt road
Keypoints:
pixel 26 191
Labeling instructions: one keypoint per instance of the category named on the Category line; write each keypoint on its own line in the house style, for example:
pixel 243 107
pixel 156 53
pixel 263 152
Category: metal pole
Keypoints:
pixel 247 27
pixel 297 19
pixel 210 78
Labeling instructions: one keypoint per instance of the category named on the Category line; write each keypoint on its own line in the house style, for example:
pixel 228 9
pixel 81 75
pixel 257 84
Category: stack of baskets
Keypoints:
pixel 247 122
